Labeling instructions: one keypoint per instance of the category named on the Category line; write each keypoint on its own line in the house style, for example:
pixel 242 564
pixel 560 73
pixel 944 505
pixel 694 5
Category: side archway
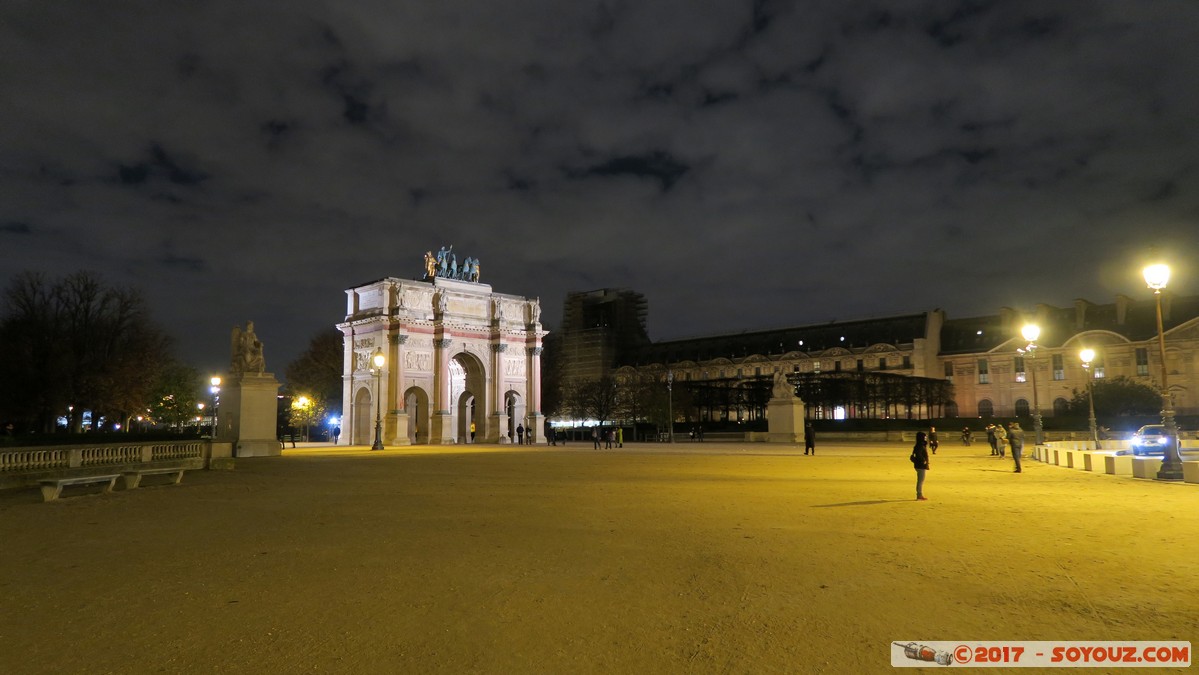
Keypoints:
pixel 514 406
pixel 416 404
pixel 362 428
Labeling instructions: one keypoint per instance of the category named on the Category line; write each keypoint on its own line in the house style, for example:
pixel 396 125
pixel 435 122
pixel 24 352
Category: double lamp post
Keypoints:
pixel 1156 277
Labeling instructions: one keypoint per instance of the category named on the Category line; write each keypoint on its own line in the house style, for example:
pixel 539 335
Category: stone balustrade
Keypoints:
pixel 23 467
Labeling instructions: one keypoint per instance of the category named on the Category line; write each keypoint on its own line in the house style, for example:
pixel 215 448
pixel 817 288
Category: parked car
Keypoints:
pixel 1150 439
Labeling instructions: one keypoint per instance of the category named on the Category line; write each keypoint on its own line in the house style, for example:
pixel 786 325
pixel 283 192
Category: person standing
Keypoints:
pixel 919 459
pixel 472 431
pixel 991 440
pixel 809 438
pixel 1016 439
pixel 620 437
pixel 520 434
pixel 966 436
pixel 595 438
pixel 1000 439
pixel 933 443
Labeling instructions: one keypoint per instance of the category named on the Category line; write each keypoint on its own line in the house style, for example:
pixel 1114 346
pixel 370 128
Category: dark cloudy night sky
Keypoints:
pixel 746 164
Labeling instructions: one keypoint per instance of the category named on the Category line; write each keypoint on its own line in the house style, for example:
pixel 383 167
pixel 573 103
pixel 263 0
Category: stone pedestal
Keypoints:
pixel 220 456
pixel 535 428
pixel 785 420
pixel 395 428
pixel 443 429
pixel 497 428
pixel 249 402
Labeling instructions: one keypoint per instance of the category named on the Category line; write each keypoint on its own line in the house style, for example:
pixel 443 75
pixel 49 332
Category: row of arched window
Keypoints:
pixel 1023 407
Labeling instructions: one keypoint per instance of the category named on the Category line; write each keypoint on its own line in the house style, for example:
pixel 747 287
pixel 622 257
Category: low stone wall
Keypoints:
pixel 839 437
pixel 24 467
pixel 1115 459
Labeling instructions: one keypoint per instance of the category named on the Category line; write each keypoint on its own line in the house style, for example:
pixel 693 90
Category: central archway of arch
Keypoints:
pixel 468 419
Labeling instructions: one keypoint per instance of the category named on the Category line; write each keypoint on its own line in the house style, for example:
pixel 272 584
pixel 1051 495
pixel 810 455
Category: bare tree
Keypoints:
pixel 595 399
pixel 77 344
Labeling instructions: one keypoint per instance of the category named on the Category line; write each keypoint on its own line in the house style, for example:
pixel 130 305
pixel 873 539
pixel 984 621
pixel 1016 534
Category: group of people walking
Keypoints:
pixel 998 437
pixel 610 438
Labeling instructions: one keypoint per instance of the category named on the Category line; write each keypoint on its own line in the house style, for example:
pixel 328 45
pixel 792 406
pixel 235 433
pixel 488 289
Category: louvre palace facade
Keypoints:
pixel 984 358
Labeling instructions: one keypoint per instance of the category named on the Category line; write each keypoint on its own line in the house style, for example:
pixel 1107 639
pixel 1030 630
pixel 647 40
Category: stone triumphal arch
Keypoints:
pixel 454 353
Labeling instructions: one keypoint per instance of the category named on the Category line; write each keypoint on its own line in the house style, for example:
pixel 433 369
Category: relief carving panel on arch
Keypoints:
pixel 514 366
pixel 418 360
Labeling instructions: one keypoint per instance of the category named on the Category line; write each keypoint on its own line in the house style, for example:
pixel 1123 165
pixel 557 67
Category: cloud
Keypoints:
pixel 742 164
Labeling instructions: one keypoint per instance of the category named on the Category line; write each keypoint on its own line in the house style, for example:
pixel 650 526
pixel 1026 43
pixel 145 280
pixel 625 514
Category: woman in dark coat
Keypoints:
pixel 919 459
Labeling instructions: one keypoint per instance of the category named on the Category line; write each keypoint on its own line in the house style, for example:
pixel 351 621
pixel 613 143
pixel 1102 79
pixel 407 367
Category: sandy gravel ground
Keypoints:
pixel 712 558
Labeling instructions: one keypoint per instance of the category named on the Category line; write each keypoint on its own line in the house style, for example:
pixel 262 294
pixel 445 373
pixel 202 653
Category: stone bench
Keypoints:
pixel 52 487
pixel 1118 465
pixel 132 479
pixel 1146 467
pixel 1073 459
pixel 1190 472
pixel 1094 461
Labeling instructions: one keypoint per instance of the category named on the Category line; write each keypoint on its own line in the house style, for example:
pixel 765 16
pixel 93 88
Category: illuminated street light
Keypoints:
pixel 670 401
pixel 301 403
pixel 216 402
pixel 1156 277
pixel 378 359
pixel 200 417
pixel 1087 356
pixel 1031 332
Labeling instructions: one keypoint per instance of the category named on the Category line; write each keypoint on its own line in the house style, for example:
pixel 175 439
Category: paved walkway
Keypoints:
pixel 647 559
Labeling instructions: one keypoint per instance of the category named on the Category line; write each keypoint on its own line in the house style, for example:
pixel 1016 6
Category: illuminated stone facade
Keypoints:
pixel 991 378
pixel 455 352
pixel 978 355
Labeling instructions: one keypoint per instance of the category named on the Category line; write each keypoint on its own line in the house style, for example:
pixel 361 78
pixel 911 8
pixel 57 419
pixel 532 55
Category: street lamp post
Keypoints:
pixel 378 359
pixel 302 404
pixel 216 402
pixel 199 418
pixel 1156 277
pixel 1087 356
pixel 670 401
pixel 1031 332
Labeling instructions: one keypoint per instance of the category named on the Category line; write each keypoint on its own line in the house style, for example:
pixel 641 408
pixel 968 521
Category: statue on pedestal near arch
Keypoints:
pixel 782 388
pixel 247 351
